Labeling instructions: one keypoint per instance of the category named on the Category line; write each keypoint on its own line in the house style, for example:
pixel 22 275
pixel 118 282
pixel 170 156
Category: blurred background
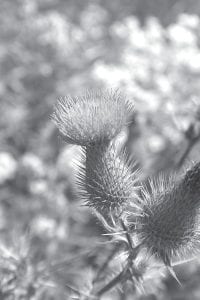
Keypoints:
pixel 149 50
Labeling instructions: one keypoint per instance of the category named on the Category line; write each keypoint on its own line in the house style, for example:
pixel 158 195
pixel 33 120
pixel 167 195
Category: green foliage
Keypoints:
pixel 50 246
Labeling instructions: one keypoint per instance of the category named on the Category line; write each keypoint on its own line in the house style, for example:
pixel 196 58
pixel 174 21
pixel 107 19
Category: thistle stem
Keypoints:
pixel 130 242
pixel 190 145
pixel 122 275
pixel 112 283
pixel 105 264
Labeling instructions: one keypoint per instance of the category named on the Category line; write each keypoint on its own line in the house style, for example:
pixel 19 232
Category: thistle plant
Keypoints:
pixel 93 121
pixel 155 223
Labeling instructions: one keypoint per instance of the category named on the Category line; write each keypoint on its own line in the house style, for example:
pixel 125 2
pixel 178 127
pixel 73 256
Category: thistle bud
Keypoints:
pixel 169 223
pixel 92 118
pixel 108 179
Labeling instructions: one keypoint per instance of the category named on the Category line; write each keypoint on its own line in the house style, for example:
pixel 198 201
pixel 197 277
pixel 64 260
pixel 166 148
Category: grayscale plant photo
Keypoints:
pixel 100 150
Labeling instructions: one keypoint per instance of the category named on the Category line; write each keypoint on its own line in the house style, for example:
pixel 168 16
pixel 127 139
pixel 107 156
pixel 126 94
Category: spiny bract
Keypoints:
pixel 168 225
pixel 95 117
pixel 108 179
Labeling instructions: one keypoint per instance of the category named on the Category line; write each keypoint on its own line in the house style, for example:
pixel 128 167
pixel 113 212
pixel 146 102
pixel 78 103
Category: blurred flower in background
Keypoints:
pixel 150 50
pixel 8 167
pixel 159 71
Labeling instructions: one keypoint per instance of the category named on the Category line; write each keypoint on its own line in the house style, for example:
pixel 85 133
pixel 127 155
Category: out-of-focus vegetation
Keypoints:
pixel 150 50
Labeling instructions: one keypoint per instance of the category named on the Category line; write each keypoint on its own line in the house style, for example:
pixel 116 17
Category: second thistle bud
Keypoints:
pixel 169 222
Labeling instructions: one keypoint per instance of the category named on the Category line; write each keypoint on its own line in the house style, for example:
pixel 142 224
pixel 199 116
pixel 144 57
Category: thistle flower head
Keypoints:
pixel 168 225
pixel 108 179
pixel 95 117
